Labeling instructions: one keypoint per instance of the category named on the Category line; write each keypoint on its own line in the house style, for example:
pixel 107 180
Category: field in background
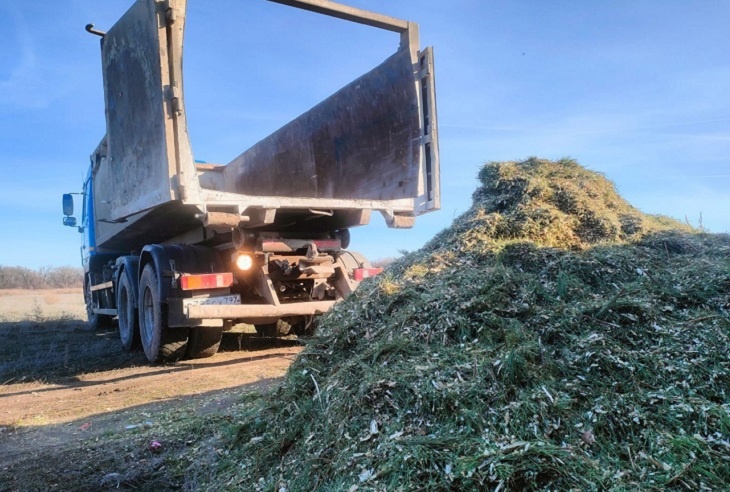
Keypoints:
pixel 17 277
pixel 37 305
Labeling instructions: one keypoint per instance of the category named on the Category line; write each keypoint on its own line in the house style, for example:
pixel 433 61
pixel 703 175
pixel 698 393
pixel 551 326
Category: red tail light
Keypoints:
pixel 206 281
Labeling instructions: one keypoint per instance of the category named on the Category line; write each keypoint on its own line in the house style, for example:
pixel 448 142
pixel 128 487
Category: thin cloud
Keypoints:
pixel 27 86
pixel 694 176
pixel 556 130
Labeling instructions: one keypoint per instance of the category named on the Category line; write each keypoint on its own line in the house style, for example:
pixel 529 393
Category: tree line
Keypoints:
pixel 43 278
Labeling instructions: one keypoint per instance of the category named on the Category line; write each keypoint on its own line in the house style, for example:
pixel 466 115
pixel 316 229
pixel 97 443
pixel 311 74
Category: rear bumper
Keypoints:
pixel 258 312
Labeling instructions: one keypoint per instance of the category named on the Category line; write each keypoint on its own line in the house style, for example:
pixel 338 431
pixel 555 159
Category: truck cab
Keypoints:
pixel 92 260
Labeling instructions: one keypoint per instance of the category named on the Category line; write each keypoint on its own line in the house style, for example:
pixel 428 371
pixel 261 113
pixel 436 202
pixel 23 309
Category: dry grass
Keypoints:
pixel 18 305
pixel 45 336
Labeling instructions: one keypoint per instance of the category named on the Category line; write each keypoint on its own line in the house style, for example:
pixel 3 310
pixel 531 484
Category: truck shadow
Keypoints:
pixel 59 351
pixel 75 382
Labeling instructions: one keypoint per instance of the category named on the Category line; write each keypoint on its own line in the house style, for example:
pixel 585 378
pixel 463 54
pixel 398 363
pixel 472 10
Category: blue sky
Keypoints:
pixel 637 90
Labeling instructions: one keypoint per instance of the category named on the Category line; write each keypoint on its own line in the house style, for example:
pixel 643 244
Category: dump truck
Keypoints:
pixel 178 251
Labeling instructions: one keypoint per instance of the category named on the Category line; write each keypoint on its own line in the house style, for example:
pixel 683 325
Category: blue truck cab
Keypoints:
pixel 86 227
pixel 92 260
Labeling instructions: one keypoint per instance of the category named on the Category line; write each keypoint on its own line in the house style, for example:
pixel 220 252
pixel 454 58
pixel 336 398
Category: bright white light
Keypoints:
pixel 244 262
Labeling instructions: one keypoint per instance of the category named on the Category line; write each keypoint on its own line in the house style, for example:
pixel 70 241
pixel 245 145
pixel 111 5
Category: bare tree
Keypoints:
pixel 18 277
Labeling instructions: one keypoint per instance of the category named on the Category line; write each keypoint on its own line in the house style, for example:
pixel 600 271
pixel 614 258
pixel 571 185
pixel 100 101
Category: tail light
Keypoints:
pixel 206 281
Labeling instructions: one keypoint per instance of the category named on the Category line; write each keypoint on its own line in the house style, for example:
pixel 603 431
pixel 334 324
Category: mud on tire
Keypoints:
pixel 203 342
pixel 279 329
pixel 127 314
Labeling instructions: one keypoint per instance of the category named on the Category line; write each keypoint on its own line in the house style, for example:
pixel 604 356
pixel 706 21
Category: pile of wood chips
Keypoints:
pixel 554 338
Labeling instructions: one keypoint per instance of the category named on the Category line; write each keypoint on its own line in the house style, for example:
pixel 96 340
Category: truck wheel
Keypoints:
pixel 204 342
pixel 160 343
pixel 96 321
pixel 304 326
pixel 128 324
pixel 279 329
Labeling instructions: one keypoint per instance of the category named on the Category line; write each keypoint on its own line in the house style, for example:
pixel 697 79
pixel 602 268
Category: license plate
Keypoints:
pixel 215 301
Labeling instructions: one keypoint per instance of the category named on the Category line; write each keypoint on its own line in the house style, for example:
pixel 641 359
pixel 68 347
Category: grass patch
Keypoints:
pixel 57 349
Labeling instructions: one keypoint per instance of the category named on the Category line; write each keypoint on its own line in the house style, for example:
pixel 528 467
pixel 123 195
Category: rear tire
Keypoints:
pixel 128 321
pixel 160 343
pixel 204 342
pixel 305 326
pixel 279 329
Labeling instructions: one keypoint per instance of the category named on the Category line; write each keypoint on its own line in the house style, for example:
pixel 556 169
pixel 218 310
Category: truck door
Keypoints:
pixel 88 242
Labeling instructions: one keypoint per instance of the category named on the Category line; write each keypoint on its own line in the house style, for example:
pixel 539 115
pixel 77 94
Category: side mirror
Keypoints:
pixel 68 206
pixel 69 221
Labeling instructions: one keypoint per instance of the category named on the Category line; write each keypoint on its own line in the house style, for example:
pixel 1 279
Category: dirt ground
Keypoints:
pixel 62 385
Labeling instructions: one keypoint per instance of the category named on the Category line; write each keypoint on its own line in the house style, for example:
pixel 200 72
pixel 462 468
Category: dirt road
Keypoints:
pixel 65 388
pixel 85 396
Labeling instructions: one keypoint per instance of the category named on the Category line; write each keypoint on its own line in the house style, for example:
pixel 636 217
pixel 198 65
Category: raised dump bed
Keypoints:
pixel 179 251
pixel 371 146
